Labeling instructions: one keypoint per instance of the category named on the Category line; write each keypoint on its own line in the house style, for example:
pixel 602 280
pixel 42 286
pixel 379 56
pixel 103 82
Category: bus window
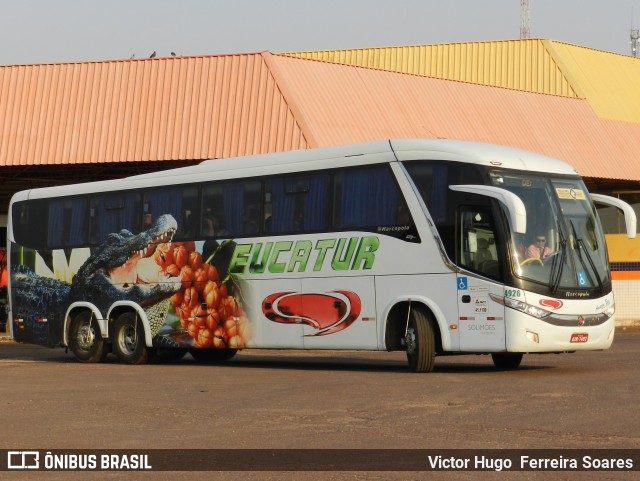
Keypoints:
pixel 180 202
pixel 28 217
pixel 231 209
pixel 110 213
pixel 297 204
pixel 431 179
pixel 67 222
pixel 366 197
pixel 476 246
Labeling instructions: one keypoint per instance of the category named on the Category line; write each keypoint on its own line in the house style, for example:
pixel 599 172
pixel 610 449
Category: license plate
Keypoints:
pixel 582 337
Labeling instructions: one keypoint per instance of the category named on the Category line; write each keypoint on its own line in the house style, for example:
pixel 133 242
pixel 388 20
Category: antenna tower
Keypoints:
pixel 634 34
pixel 524 19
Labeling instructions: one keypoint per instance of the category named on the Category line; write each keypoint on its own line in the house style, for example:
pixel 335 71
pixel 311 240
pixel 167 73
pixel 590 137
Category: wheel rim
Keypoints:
pixel 128 340
pixel 85 337
pixel 410 341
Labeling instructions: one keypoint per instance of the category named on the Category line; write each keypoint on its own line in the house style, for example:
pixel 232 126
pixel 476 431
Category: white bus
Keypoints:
pixel 432 247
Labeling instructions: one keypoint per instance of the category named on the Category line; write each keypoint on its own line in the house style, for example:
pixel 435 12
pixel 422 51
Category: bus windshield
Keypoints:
pixel 564 246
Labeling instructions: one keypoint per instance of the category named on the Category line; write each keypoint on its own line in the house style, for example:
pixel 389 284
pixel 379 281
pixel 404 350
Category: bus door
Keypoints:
pixel 481 319
pixel 339 313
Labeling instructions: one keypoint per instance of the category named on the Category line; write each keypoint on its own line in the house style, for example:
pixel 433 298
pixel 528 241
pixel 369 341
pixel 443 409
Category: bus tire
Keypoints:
pixel 128 339
pixel 420 342
pixel 212 355
pixel 85 340
pixel 507 360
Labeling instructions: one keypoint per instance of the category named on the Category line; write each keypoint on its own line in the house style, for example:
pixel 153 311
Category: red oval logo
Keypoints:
pixel 551 303
pixel 327 312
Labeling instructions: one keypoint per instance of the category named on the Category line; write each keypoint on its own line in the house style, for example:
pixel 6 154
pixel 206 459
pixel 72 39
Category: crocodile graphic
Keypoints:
pixel 38 304
pixel 121 268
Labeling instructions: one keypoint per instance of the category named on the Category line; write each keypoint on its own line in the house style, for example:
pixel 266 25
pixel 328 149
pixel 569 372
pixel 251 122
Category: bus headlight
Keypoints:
pixel 526 308
pixel 610 311
pixel 520 306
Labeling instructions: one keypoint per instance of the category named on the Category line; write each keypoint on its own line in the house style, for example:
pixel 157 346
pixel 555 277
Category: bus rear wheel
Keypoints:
pixel 85 340
pixel 128 339
pixel 420 342
pixel 507 360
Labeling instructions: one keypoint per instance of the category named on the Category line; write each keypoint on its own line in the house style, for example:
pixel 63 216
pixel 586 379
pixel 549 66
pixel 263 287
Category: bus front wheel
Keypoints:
pixel 506 360
pixel 420 342
pixel 85 340
pixel 128 339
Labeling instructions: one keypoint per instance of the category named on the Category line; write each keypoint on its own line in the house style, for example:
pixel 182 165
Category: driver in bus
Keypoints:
pixel 539 248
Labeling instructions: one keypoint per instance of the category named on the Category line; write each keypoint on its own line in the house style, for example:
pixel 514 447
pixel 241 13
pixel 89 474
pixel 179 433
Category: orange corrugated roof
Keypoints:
pixel 223 106
pixel 607 80
pixel 524 64
pixel 148 109
pixel 352 104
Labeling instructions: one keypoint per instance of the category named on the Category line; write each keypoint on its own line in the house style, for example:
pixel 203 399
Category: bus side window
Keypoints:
pixel 111 213
pixel 231 209
pixel 366 197
pixel 431 179
pixel 29 217
pixel 179 202
pixel 297 204
pixel 67 222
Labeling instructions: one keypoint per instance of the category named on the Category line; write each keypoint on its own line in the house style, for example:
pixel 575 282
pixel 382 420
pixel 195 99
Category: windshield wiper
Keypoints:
pixel 583 248
pixel 558 261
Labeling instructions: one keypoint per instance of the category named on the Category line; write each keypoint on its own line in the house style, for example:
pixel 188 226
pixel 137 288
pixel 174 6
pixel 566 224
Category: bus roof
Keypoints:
pixel 326 158
pixel 479 153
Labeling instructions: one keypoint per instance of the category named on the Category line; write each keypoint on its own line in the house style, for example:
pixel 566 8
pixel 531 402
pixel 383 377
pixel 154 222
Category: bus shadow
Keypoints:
pixel 490 368
pixel 323 363
pixel 310 364
pixel 452 365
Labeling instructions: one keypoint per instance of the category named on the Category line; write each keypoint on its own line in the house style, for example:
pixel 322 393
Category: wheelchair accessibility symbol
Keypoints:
pixel 582 279
pixel 462 284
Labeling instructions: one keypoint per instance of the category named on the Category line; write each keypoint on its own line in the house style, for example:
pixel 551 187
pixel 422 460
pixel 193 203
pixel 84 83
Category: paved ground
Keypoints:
pixel 294 399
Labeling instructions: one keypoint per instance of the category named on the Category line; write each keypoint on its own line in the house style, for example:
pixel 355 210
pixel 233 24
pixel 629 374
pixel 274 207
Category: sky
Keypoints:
pixel 53 31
